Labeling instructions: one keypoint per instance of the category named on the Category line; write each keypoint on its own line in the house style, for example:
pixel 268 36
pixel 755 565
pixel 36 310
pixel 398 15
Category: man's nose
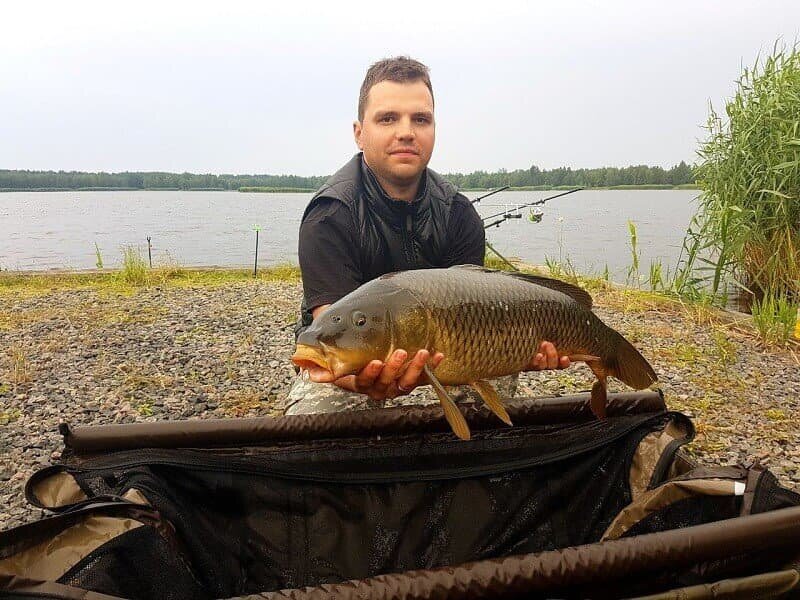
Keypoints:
pixel 405 130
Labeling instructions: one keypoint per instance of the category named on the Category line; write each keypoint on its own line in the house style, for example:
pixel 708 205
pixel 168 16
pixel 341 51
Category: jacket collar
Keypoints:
pixel 355 178
pixel 390 209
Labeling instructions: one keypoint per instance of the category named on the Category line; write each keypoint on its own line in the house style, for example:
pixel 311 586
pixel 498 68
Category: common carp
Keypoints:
pixel 487 324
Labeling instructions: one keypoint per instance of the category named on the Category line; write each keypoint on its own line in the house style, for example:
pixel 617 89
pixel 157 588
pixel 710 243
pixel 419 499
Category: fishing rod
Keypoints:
pixel 514 214
pixel 479 198
pixel 506 214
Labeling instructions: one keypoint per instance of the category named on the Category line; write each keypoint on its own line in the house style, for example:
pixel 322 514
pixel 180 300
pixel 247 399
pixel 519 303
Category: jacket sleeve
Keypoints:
pixel 328 254
pixel 466 236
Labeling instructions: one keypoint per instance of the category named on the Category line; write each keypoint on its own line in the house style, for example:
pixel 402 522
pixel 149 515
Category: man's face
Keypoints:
pixel 397 132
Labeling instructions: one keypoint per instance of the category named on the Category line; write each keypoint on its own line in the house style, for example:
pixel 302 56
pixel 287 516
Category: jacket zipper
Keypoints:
pixel 408 248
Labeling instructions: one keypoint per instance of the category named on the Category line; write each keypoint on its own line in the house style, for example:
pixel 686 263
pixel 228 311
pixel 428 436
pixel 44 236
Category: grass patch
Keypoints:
pixel 9 416
pixel 134 267
pixel 138 377
pixel 492 261
pixel 682 354
pixel 775 414
pixel 775 320
pixel 724 348
pixel 242 402
pixel 85 315
pixel 19 369
pixel 26 284
pixel 145 409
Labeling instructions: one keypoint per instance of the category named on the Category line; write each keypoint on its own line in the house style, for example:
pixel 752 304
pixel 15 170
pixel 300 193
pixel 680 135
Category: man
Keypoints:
pixel 385 211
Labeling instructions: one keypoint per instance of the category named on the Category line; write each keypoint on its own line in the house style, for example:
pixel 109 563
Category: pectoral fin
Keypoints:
pixel 451 412
pixel 492 400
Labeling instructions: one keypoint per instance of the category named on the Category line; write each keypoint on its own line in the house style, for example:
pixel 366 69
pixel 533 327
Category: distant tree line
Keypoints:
pixel 75 180
pixel 680 174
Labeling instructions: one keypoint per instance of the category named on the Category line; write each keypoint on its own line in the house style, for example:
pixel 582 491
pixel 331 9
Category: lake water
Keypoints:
pixel 59 230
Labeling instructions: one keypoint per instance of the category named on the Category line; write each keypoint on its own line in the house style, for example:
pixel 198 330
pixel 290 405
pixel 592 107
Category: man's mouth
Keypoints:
pixel 404 152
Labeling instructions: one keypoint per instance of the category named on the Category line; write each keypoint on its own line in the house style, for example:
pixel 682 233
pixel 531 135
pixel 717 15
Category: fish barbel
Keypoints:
pixel 487 324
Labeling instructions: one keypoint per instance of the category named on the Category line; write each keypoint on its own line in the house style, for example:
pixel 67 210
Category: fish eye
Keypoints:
pixel 359 319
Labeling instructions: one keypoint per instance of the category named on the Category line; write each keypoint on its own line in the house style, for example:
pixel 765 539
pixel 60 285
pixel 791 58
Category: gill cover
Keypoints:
pixel 367 324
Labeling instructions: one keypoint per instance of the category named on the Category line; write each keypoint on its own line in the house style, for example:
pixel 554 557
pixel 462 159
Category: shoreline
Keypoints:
pixel 536 188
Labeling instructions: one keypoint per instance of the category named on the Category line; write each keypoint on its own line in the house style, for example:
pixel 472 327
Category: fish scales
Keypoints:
pixel 491 325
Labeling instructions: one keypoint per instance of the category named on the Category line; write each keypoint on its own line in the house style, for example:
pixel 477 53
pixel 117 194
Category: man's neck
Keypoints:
pixel 407 193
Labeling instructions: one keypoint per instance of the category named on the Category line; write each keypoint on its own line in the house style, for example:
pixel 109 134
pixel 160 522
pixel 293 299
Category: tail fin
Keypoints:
pixel 629 366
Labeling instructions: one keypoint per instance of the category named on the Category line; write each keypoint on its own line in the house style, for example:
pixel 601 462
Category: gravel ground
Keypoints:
pixel 88 357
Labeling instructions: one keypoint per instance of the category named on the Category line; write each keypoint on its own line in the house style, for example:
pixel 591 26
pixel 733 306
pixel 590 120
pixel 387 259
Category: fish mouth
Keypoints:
pixel 309 356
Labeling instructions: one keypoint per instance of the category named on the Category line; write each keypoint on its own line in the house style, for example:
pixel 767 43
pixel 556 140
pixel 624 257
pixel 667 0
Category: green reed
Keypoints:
pixel 98 257
pixel 774 317
pixel 134 267
pixel 746 227
pixel 633 239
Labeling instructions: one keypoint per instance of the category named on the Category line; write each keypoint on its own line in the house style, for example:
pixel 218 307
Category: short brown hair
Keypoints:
pixel 400 69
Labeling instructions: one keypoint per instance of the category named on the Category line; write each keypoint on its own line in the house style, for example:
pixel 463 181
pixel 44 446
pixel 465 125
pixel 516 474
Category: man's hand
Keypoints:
pixel 547 358
pixel 382 381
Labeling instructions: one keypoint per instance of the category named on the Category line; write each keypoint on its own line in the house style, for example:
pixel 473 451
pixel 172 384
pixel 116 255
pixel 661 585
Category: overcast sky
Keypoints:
pixel 271 87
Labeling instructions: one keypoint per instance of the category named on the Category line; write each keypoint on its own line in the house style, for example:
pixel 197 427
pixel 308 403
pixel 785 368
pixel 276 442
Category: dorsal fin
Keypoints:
pixel 580 295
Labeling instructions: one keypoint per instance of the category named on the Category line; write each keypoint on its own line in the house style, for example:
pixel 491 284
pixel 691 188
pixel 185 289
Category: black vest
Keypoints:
pixel 392 235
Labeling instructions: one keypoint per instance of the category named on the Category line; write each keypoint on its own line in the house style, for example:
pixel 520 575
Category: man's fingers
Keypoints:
pixel 320 375
pixel 391 369
pixel 387 375
pixel 410 378
pixel 552 356
pixel 395 377
pixel 392 392
pixel 348 382
pixel 549 358
pixel 368 375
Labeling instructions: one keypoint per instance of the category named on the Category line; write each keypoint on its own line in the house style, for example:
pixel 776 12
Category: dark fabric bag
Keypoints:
pixel 388 504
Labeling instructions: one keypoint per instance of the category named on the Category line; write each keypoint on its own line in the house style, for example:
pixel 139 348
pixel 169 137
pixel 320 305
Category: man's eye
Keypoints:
pixel 387 119
pixel 422 120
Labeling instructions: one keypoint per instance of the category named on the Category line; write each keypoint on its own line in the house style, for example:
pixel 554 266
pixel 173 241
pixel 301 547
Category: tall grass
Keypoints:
pixel 775 319
pixel 633 239
pixel 747 228
pixel 20 371
pixel 98 257
pixel 134 267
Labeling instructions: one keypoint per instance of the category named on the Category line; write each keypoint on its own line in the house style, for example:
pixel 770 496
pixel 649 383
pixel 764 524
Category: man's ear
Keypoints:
pixel 357 134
